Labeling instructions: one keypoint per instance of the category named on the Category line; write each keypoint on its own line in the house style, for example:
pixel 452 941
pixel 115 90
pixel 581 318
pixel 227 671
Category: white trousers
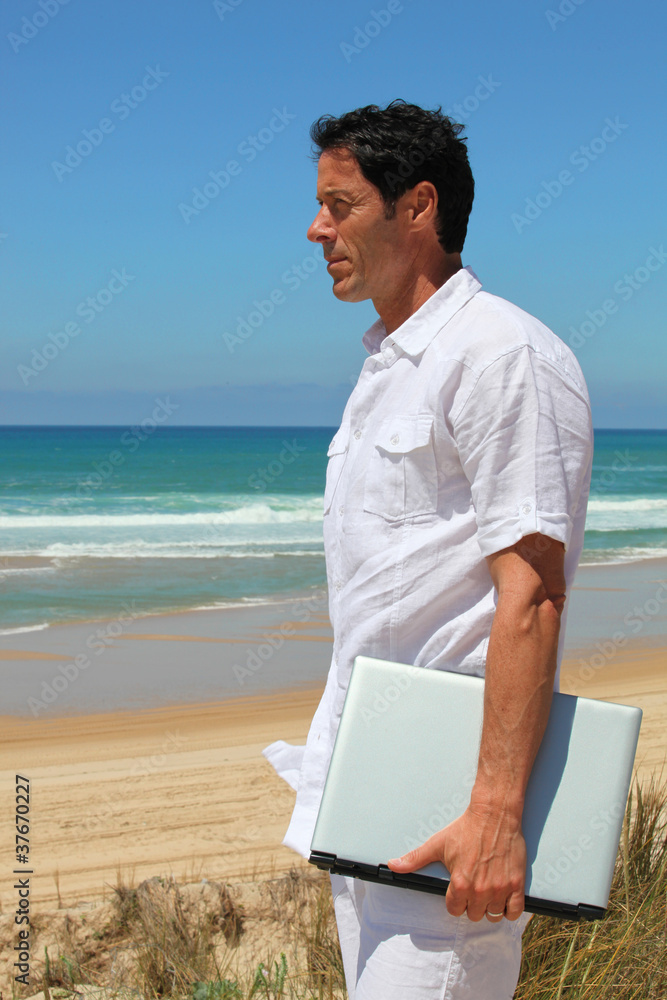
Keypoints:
pixel 400 943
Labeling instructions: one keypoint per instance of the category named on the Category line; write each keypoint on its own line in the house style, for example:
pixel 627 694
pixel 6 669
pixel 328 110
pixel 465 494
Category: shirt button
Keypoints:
pixel 338 585
pixel 341 511
pixel 357 434
pixel 395 439
pixel 526 509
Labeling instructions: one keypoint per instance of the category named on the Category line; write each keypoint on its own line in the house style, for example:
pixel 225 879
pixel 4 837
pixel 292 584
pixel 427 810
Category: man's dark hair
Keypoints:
pixel 400 145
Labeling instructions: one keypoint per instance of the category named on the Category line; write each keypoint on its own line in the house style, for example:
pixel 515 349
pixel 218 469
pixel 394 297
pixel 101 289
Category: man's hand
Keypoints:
pixel 486 856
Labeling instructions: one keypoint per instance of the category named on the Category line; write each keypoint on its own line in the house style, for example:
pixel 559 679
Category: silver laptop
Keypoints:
pixel 405 760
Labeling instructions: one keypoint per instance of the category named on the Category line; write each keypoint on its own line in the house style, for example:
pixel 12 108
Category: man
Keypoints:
pixel 454 514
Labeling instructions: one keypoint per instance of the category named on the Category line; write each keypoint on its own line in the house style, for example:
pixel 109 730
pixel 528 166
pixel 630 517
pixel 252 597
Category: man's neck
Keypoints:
pixel 416 289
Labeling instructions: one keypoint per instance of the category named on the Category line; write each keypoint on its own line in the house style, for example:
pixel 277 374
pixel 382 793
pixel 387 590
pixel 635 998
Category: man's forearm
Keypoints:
pixel 520 669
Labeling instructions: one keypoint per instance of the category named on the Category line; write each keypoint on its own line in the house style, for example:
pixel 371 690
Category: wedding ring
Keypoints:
pixel 489 914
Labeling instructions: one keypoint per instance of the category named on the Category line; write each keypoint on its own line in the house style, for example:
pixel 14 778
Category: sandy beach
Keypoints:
pixel 178 791
pixel 182 789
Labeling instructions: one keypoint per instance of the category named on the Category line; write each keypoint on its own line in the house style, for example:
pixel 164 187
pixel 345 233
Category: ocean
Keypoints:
pixel 96 518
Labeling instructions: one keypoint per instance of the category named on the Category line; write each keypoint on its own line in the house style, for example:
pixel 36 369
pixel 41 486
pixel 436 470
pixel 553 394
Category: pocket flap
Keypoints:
pixel 405 433
pixel 339 443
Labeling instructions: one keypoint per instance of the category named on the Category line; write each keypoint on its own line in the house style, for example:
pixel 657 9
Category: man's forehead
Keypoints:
pixel 339 173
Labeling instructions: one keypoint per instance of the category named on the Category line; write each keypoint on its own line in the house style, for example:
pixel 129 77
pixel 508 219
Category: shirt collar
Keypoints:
pixel 416 333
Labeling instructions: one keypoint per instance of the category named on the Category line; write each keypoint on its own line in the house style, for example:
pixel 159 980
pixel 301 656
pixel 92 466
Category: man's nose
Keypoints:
pixel 320 229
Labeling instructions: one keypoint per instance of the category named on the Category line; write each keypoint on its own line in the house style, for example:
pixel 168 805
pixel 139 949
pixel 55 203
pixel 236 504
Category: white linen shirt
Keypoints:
pixel 469 427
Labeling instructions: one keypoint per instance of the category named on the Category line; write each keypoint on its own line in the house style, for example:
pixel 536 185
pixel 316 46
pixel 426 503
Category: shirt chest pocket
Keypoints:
pixel 336 453
pixel 402 479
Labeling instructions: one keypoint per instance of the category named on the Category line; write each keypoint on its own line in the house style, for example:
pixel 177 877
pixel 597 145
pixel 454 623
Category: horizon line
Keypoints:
pixel 597 430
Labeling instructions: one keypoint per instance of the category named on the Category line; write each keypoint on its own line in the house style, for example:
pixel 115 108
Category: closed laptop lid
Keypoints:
pixel 405 761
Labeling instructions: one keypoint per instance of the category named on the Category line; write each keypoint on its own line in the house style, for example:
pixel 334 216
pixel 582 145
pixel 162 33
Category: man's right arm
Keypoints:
pixel 484 849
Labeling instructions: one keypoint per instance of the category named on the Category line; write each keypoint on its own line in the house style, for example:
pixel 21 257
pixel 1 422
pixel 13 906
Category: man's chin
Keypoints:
pixel 346 292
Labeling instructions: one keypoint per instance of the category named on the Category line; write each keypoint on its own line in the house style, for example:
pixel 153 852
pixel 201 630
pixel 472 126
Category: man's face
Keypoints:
pixel 361 245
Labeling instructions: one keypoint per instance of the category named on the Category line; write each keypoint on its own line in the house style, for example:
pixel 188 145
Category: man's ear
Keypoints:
pixel 422 204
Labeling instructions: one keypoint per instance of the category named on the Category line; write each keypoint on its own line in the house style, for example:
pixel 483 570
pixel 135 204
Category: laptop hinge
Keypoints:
pixel 341 866
pixel 345 867
pixel 591 912
pixel 323 860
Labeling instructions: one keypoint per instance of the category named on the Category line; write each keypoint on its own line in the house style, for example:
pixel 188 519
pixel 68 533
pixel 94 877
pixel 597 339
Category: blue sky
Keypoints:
pixel 153 98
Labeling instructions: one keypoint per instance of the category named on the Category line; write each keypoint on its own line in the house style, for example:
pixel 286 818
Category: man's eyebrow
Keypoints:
pixel 330 191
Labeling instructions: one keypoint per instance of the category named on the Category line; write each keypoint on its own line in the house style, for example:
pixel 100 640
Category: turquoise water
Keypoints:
pixel 174 518
pixel 627 509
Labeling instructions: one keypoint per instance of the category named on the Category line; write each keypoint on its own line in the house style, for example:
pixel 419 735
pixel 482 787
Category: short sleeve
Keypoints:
pixel 524 437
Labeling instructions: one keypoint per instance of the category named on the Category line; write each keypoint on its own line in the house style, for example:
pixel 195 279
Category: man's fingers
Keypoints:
pixel 456 899
pixel 431 850
pixel 495 911
pixel 515 906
